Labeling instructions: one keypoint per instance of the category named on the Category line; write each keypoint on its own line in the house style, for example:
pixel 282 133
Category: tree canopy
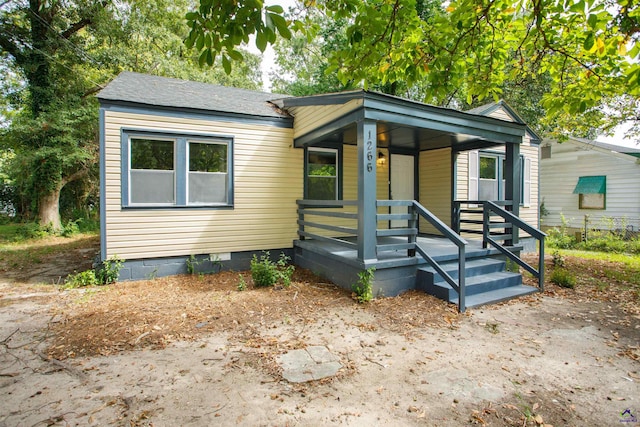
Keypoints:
pixel 588 50
pixel 56 56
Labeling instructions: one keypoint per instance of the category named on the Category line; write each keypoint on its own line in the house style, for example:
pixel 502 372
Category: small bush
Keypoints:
pixel 109 270
pixel 266 272
pixel 242 284
pixel 563 278
pixel 82 279
pixel 557 259
pixel 362 289
pixel 70 228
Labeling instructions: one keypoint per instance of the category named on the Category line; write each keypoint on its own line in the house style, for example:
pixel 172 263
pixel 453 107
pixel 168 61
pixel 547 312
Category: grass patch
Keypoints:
pixel 24 253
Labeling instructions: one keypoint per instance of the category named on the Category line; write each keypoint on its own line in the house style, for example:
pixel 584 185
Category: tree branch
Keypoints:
pixel 12 49
pixel 74 177
pixel 77 26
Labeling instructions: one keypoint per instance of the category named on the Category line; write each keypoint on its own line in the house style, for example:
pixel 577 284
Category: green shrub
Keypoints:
pixel 109 270
pixel 242 284
pixel 563 278
pixel 82 279
pixel 70 228
pixel 266 272
pixel 362 289
pixel 557 259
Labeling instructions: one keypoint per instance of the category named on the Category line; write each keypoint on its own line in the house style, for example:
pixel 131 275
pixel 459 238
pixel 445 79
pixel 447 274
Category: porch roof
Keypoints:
pixel 403 124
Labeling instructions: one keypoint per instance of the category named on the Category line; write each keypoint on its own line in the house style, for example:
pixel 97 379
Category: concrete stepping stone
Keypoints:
pixel 308 364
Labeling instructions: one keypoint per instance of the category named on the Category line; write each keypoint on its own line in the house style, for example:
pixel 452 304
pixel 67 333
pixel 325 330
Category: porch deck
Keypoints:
pixel 439 248
pixel 395 271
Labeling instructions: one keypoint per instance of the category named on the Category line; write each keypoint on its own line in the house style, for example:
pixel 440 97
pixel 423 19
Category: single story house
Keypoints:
pixel 339 182
pixel 589 183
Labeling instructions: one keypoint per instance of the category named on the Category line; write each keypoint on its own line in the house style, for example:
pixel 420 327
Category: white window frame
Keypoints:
pixel 130 169
pixel 189 172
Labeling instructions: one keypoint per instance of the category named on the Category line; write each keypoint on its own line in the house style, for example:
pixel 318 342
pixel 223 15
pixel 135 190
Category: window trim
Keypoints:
pixel 473 189
pixel 339 177
pixel 181 167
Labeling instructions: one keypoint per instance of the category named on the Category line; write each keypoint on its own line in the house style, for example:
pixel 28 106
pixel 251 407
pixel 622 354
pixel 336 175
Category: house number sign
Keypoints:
pixel 369 153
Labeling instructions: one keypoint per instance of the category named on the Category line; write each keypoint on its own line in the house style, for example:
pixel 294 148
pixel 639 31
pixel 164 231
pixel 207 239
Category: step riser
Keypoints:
pixel 443 291
pixel 427 275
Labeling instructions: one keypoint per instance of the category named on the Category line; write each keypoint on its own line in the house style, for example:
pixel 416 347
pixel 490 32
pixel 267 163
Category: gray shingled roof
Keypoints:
pixel 166 92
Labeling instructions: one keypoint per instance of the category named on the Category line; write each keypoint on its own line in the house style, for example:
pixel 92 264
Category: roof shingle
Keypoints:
pixel 167 92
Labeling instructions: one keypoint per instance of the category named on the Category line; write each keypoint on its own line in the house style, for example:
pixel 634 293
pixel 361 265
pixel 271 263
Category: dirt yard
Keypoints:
pixel 193 350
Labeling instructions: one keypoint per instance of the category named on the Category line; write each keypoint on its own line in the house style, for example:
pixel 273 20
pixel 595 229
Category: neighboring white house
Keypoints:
pixel 590 181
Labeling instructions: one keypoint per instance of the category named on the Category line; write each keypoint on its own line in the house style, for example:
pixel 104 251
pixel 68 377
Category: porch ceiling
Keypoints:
pixel 406 125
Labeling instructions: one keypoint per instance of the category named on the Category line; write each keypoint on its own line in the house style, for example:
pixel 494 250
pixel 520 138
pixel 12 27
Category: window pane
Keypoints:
pixel 152 176
pixel 207 187
pixel 149 186
pixel 322 175
pixel 207 157
pixel 321 188
pixel 322 163
pixel 151 154
pixel 488 167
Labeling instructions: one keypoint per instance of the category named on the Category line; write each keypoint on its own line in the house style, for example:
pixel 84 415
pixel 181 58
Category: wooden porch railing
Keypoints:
pixel 496 225
pixel 319 208
pixel 415 209
pixel 510 221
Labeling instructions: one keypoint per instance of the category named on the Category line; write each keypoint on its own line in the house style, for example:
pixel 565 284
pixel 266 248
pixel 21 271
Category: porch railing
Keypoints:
pixel 411 232
pixel 511 221
pixel 328 209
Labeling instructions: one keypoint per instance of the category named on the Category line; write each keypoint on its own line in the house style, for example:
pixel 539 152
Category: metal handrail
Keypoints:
pixel 515 221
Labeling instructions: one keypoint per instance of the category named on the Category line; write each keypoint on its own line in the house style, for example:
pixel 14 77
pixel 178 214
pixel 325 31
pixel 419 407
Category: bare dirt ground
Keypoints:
pixel 192 350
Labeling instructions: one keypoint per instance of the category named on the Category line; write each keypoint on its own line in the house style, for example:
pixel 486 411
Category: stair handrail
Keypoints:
pixel 454 237
pixel 515 221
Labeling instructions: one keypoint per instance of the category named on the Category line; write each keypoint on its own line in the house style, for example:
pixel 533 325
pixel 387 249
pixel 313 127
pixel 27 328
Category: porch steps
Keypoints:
pixel 487 282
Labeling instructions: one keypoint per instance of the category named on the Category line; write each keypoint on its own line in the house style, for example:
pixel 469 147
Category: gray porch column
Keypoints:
pixel 513 177
pixel 367 209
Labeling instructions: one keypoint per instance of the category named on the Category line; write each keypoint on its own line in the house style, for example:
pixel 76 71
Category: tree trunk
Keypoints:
pixel 49 210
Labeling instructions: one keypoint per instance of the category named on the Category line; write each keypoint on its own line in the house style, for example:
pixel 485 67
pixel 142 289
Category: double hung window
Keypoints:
pixel 161 170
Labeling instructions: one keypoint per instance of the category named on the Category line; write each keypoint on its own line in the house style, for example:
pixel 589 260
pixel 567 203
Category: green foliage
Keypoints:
pixel 266 272
pixel 563 278
pixel 362 289
pixel 82 279
pixel 586 52
pixel 557 259
pixel 242 283
pixel 105 274
pixel 192 263
pixel 109 271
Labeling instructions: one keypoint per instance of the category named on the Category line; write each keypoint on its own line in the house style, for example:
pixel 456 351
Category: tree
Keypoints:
pixel 588 49
pixel 57 56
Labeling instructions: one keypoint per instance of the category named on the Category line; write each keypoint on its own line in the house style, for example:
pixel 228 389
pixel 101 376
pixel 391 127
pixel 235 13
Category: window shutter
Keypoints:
pixel 526 196
pixel 473 176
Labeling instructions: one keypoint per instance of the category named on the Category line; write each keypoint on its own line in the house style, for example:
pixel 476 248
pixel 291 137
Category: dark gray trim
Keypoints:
pixel 149 268
pixel 367 206
pixel 181 168
pixel 323 99
pixel 103 184
pixel 454 183
pixel 192 113
pixel 340 158
pixel 498 132
pixel 476 144
pixel 328 128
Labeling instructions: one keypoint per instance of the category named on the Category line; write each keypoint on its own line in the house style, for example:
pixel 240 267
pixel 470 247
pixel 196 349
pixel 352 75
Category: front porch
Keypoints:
pixel 359 212
pixel 466 272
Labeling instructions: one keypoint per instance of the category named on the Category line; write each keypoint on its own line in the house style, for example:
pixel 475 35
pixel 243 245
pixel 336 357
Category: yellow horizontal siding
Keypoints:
pixel 435 186
pixel 268 178
pixel 308 118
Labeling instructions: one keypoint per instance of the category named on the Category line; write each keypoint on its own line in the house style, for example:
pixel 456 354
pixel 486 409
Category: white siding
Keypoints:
pixel 571 160
pixel 268 178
